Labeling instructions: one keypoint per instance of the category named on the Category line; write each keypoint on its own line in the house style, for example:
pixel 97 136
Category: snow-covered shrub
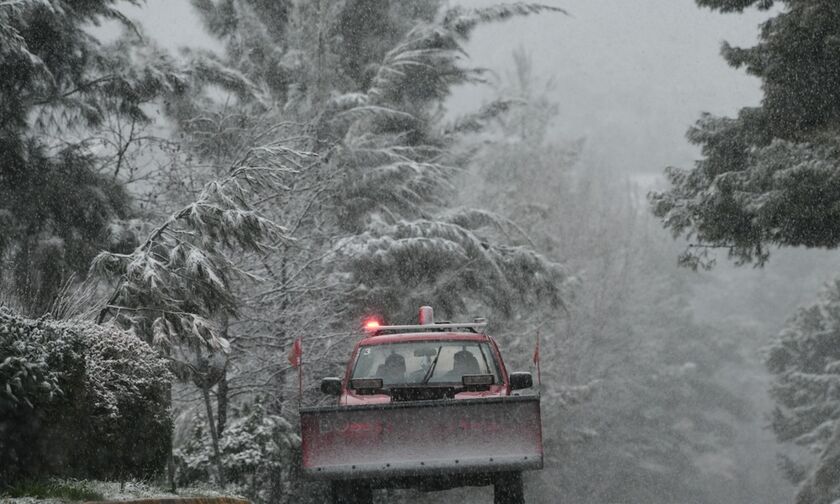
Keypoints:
pixel 127 392
pixel 24 371
pixel 79 400
pixel 259 455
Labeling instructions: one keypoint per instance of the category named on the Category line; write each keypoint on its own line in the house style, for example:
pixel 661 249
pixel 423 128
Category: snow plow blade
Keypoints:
pixel 422 438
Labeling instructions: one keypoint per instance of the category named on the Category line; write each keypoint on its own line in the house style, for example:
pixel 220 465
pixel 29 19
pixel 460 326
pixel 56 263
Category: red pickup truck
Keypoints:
pixel 428 406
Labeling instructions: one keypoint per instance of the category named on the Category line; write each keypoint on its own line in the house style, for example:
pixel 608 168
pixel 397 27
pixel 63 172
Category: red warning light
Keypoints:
pixel 372 325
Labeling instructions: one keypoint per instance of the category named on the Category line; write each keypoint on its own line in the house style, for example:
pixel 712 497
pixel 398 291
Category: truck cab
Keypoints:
pixel 427 365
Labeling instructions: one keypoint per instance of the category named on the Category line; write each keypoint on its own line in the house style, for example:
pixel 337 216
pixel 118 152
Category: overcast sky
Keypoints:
pixel 632 75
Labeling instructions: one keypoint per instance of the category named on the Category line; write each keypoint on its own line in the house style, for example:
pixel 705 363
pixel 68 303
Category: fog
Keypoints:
pixel 631 76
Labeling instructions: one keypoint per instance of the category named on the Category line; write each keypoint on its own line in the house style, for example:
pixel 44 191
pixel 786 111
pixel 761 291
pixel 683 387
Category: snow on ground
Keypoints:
pixel 111 491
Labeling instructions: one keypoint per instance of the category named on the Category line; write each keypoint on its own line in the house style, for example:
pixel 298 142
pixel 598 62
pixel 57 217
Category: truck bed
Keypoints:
pixel 422 438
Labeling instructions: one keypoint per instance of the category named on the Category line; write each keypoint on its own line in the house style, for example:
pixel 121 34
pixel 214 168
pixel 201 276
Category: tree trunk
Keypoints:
pixel 276 406
pixel 320 87
pixel 222 390
pixel 213 435
pixel 170 470
pixel 222 403
pixel 170 461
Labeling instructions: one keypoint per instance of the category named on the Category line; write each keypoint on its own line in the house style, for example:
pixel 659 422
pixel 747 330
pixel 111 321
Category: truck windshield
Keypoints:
pixel 418 362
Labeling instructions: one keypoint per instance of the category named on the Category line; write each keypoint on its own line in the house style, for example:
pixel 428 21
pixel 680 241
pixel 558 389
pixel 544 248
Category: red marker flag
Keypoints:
pixel 296 353
pixel 296 360
pixel 537 360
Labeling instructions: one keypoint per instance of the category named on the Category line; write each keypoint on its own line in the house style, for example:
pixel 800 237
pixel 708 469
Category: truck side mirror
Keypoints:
pixel 331 386
pixel 521 380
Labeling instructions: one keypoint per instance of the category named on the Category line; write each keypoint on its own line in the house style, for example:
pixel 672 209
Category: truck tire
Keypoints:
pixel 351 492
pixel 508 489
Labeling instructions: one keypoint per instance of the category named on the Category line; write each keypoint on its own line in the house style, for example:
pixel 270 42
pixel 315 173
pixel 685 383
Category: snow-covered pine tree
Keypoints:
pixel 767 175
pixel 257 42
pixel 175 287
pixel 805 359
pixel 395 195
pixel 59 86
pixel 174 283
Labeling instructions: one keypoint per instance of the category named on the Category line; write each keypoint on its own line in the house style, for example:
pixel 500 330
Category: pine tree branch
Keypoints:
pixel 82 87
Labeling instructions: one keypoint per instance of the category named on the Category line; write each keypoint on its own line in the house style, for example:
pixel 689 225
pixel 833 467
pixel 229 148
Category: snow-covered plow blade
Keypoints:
pixel 422 438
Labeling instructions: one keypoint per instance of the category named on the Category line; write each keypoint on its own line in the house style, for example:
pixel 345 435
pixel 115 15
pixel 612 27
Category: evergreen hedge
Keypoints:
pixel 80 400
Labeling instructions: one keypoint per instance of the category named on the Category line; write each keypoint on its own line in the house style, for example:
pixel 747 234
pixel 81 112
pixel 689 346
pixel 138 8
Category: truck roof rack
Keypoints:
pixel 476 327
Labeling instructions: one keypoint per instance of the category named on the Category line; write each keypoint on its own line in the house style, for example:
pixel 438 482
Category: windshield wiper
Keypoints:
pixel 431 370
